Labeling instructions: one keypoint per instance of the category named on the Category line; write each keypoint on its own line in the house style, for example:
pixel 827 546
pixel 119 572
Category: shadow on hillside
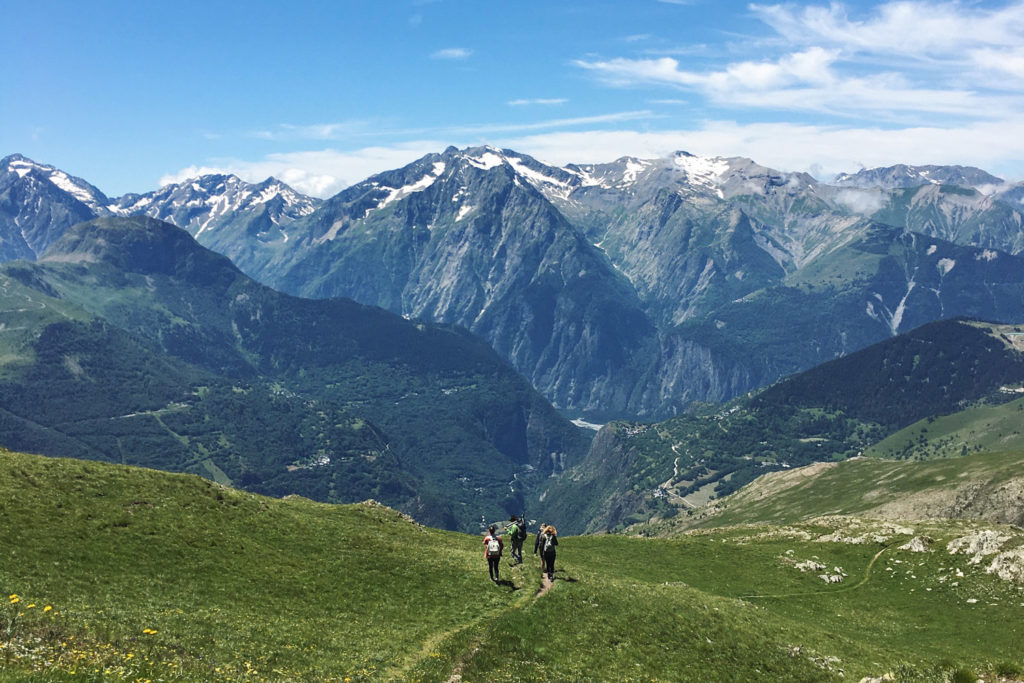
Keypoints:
pixel 506 582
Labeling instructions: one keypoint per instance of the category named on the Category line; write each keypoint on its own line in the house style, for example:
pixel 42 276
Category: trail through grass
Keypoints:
pixel 864 580
pixel 169 577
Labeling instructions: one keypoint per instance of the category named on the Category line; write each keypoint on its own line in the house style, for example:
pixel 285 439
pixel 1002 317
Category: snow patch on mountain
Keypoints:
pixel 705 171
pixel 406 190
pixel 486 161
pixel 544 183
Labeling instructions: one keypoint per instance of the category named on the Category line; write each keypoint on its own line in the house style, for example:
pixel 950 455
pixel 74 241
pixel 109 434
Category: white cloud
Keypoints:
pixel 915 28
pixel 315 131
pixel 1009 62
pixel 540 101
pixel 811 81
pixel 319 173
pixel 793 147
pixel 452 53
pixel 812 66
pixel 785 146
pixel 906 61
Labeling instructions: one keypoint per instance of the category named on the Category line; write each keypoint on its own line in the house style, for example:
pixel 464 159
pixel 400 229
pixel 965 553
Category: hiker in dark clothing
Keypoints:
pixel 546 541
pixel 493 545
pixel 537 546
pixel 516 530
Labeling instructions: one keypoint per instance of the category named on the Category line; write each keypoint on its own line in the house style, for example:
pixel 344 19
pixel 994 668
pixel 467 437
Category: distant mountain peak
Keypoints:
pixel 77 188
pixel 902 176
pixel 202 203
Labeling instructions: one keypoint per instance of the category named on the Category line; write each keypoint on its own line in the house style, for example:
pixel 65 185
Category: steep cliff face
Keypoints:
pixel 464 238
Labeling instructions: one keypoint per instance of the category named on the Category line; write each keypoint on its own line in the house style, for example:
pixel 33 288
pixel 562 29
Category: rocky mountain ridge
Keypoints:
pixel 630 288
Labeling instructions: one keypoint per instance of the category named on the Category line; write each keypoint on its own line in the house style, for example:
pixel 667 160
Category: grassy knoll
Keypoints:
pixel 978 429
pixel 159 576
pixel 974 486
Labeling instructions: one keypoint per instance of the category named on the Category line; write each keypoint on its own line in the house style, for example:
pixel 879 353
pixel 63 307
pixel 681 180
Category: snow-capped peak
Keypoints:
pixel 198 204
pixel 76 187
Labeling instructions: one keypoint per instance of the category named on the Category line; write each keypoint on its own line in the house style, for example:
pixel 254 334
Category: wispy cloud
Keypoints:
pixel 455 53
pixel 909 61
pixel 538 101
pixel 496 128
pixel 315 131
pixel 320 173
pixel 362 130
pixel 826 150
pixel 915 28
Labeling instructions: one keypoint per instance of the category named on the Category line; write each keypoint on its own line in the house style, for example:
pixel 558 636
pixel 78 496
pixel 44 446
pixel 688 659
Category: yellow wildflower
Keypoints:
pixel 15 599
pixel 31 606
pixel 47 608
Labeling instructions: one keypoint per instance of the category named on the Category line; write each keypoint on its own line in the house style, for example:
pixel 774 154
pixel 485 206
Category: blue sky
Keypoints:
pixel 130 95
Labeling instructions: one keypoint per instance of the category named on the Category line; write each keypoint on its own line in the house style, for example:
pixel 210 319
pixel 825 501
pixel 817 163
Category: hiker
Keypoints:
pixel 537 544
pixel 546 541
pixel 493 545
pixel 516 531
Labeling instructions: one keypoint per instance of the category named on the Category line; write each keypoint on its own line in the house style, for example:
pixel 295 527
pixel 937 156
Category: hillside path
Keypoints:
pixel 456 676
pixel 867 575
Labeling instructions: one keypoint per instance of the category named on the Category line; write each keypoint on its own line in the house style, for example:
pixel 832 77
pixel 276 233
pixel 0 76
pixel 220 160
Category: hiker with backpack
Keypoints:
pixel 546 541
pixel 493 545
pixel 516 531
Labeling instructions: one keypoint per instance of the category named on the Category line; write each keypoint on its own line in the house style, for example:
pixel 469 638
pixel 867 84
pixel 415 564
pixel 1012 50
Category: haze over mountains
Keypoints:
pixel 626 289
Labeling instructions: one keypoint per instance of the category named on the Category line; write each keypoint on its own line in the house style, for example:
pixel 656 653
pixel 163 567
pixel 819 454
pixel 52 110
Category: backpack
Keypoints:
pixel 549 543
pixel 493 547
pixel 520 532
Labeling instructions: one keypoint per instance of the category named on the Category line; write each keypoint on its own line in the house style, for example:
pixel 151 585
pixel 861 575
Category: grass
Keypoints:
pixel 862 486
pixel 171 577
pixel 983 428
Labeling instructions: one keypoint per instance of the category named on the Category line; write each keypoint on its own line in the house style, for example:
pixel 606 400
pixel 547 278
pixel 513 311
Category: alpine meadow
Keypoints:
pixel 307 309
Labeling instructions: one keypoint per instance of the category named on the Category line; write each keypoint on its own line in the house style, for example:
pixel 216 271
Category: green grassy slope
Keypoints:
pixel 980 486
pixel 170 577
pixel 983 428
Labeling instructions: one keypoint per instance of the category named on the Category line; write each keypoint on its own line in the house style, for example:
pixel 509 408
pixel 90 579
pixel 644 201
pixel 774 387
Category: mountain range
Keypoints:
pixel 628 289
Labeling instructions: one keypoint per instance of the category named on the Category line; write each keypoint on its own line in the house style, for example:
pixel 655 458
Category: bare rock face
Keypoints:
pixel 1009 565
pixel 918 544
pixel 978 544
